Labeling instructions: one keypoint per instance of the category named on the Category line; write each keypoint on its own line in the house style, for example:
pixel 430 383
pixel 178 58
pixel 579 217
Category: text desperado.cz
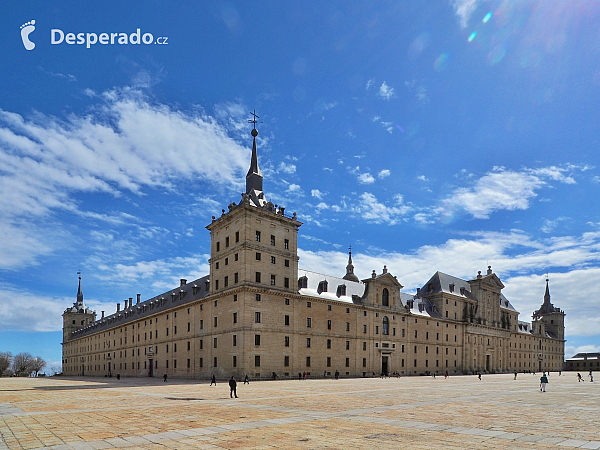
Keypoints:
pixel 58 36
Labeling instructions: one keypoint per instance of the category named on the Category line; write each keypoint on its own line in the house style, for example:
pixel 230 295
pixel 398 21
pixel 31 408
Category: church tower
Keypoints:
pixel 552 317
pixel 76 316
pixel 254 242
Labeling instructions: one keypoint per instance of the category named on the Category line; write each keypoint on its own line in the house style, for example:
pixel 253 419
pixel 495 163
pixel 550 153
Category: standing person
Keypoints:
pixel 515 374
pixel 165 378
pixel 543 382
pixel 299 376
pixel 213 380
pixel 446 375
pixel 591 376
pixel 232 387
pixel 337 375
pixel 246 380
pixel 479 375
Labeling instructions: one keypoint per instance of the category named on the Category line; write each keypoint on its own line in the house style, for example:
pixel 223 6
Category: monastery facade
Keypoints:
pixel 257 313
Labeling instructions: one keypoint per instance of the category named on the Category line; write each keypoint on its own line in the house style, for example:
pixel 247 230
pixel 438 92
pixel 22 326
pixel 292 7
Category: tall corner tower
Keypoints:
pixel 552 317
pixel 76 316
pixel 254 242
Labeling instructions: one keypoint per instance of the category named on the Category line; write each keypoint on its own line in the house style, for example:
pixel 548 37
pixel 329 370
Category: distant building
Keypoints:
pixel 257 313
pixel 583 362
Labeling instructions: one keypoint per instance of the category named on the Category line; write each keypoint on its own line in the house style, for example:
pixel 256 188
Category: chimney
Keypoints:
pixel 138 298
pixel 118 307
pixel 182 282
pixel 418 292
pixel 125 307
pixel 130 302
pixel 103 314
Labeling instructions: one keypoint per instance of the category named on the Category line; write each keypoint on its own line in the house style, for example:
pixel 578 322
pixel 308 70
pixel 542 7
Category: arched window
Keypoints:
pixel 386 325
pixel 385 297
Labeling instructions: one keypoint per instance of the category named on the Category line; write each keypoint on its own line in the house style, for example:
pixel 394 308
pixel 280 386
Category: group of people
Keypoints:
pixel 580 378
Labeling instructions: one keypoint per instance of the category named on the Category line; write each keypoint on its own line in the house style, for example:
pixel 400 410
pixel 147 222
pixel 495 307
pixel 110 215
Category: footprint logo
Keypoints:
pixel 26 30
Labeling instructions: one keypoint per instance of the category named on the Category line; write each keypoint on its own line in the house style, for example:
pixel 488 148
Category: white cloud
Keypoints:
pixel 370 209
pixel 322 205
pixel 294 189
pixel 317 194
pixel 422 178
pixel 287 168
pixel 386 92
pixel 464 9
pixel 503 189
pixel 366 178
pixel 384 173
pixel 370 83
pixel 125 143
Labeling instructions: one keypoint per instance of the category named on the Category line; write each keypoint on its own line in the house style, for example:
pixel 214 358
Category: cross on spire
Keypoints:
pixel 253 121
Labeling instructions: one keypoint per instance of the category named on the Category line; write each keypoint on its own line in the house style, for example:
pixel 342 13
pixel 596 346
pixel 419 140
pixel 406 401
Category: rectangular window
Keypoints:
pixel 287 341
pixel 188 363
pixel 347 345
pixel 235 340
pixel 201 344
pixel 329 324
pixel 347 362
pixel 364 328
pixel 167 364
pixel 364 346
pixel 258 256
pixel 308 361
pixel 235 257
pixel 308 304
pixel 272 280
pixel 257 236
pixel 307 342
pixel 237 236
pixel 215 318
pixel 347 326
pixel 218 246
pixel 175 329
pixel 286 263
pixel 201 324
pixel 215 343
pixel 308 322
pixel 329 343
pixel 257 317
pixel 329 361
pixel 234 317
pixel 286 282
pixel 258 277
pixel 234 362
pixel 226 281
pixel 286 361
pixel 403 331
pixel 272 240
pixel 217 265
pixel 364 362
pixel 257 339
pixel 256 360
pixel 286 244
pixel 189 345
pixel 273 260
pixel 189 327
pixel 215 362
pixel 257 297
pixel 216 284
pixel 287 301
pixel 287 320
pixel 376 329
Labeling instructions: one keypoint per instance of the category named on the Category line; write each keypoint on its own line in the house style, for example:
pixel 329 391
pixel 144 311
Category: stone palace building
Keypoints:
pixel 256 313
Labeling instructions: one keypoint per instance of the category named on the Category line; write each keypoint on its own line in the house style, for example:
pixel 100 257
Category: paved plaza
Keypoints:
pixel 414 412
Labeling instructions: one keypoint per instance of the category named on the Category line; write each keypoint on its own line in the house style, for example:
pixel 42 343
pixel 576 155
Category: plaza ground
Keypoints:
pixel 409 412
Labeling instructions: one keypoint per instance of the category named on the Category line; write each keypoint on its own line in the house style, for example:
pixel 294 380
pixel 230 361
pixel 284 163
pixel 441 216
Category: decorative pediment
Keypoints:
pixel 385 279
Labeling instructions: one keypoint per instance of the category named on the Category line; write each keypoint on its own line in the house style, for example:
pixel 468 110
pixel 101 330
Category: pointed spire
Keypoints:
pixel 547 294
pixel 79 293
pixel 254 177
pixel 350 269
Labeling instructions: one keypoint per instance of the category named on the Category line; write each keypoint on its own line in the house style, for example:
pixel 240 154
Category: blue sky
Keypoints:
pixel 441 135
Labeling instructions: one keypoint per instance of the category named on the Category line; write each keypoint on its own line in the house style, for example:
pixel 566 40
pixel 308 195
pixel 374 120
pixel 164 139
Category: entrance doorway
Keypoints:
pixel 384 365
pixel 151 369
pixel 540 364
pixel 488 363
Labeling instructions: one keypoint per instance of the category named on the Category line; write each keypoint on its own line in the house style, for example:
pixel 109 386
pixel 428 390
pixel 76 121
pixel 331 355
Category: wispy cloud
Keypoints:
pixel 384 173
pixel 386 92
pixel 317 194
pixel 287 168
pixel 366 178
pixel 464 9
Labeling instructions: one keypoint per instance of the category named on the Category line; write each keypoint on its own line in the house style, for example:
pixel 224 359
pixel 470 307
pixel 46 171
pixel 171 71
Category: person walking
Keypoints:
pixel 446 375
pixel 213 380
pixel 515 374
pixel 165 378
pixel 232 387
pixel 591 376
pixel 246 379
pixel 479 375
pixel 543 382
pixel 579 378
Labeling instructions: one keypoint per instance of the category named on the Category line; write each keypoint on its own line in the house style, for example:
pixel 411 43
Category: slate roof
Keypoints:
pixel 179 296
pixel 315 278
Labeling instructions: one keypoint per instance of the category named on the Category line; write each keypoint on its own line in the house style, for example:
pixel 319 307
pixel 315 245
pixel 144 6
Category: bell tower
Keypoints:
pixel 77 316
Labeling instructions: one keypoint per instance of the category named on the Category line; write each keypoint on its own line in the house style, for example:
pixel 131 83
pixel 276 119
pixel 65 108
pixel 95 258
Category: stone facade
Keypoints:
pixel 257 313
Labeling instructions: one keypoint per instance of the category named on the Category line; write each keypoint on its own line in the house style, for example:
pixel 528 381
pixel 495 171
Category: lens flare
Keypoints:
pixel 487 17
pixel 441 62
pixel 400 128
pixel 473 34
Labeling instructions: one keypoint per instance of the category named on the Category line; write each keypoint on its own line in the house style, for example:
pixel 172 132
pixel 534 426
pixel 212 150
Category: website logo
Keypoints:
pixel 26 30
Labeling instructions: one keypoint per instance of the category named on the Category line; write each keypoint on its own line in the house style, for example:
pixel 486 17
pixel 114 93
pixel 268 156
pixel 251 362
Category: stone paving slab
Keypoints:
pixel 410 412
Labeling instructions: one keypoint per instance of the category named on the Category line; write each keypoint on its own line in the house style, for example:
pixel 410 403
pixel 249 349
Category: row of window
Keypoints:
pixel 286 242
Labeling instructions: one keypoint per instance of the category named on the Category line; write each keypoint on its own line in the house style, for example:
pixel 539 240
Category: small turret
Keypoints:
pixel 350 270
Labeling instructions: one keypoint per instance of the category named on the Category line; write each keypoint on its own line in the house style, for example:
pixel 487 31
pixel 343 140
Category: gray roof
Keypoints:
pixel 315 279
pixel 179 296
